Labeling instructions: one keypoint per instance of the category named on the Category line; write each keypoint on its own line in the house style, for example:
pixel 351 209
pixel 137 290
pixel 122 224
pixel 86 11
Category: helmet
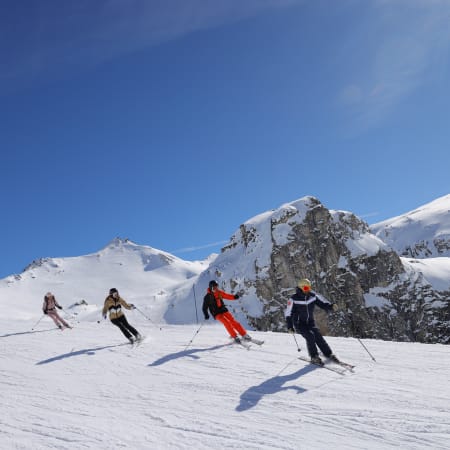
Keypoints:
pixel 212 284
pixel 112 291
pixel 304 284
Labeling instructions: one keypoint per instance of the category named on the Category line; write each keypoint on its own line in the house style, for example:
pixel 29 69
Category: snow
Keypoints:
pixel 86 388
pixel 421 226
pixel 434 270
pixel 143 272
pixel 187 386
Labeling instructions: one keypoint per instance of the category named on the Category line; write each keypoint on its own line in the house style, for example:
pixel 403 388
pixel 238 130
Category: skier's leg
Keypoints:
pixel 321 342
pixel 222 318
pixel 61 320
pixel 129 327
pixel 235 324
pixel 310 339
pixel 118 322
pixel 54 316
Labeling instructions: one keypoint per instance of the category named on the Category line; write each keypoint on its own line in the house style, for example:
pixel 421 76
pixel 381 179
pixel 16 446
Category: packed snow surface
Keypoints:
pixel 189 387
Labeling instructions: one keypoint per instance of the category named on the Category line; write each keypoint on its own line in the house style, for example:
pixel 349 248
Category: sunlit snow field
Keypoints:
pixel 86 388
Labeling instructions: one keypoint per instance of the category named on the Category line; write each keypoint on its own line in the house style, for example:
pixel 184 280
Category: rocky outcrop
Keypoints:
pixel 378 296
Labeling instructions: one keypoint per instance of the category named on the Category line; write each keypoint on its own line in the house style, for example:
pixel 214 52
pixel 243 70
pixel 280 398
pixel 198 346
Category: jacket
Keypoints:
pixel 300 308
pixel 50 304
pixel 114 307
pixel 213 301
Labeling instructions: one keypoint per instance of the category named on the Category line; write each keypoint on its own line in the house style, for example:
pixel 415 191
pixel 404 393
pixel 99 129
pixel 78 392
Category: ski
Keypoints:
pixel 345 365
pixel 323 366
pixel 242 344
pixel 256 341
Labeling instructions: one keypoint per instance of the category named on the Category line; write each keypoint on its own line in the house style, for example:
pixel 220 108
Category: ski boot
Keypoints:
pixel 333 358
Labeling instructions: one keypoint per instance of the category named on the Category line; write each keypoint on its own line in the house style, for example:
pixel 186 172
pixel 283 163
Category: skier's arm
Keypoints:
pixel 227 296
pixel 323 303
pixel 124 303
pixel 288 314
pixel 105 307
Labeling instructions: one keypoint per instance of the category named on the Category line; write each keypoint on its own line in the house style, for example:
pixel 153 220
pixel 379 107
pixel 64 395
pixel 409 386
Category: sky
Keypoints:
pixel 171 123
pixel 183 389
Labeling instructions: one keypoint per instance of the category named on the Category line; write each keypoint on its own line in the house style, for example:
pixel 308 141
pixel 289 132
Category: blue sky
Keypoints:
pixel 172 122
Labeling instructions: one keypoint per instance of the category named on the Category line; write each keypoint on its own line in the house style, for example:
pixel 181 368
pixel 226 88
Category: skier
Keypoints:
pixel 49 308
pixel 113 305
pixel 213 301
pixel 300 318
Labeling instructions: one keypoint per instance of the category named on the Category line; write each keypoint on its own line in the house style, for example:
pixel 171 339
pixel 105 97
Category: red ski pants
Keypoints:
pixel 231 324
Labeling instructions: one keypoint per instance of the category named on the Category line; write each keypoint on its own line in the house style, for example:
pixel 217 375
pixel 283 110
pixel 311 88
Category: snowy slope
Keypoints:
pixel 85 389
pixel 421 233
pixel 167 286
pixel 435 271
pixel 138 272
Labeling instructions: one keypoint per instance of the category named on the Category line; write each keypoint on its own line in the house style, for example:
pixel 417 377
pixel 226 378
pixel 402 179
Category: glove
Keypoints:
pixel 334 307
pixel 206 316
pixel 236 296
pixel 291 331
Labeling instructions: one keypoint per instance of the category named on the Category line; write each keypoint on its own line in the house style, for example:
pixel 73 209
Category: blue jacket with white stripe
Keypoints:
pixel 300 308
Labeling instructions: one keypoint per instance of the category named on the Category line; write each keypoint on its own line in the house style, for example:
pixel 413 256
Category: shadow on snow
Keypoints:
pixel 254 394
pixel 185 353
pixel 86 351
pixel 28 332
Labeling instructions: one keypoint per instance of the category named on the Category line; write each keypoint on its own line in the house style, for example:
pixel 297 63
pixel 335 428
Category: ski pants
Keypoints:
pixel 313 339
pixel 59 321
pixel 124 326
pixel 231 324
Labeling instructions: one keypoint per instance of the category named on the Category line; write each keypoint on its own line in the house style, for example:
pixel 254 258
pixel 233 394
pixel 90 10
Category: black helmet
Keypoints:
pixel 112 291
pixel 212 284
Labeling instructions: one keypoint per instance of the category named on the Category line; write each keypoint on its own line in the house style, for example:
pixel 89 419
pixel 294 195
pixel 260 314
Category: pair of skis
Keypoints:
pixel 247 343
pixel 339 367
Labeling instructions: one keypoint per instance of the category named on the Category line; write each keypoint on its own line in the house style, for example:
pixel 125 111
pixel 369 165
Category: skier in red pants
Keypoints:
pixel 213 301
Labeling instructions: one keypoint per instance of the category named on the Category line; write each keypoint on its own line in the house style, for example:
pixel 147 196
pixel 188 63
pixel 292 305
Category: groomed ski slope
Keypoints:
pixel 87 389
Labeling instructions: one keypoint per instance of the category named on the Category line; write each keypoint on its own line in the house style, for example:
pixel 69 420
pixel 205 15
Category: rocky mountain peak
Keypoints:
pixel 378 296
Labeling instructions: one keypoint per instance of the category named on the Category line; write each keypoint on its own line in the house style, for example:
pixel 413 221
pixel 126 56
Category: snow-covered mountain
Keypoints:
pixel 421 233
pixel 138 272
pixel 380 294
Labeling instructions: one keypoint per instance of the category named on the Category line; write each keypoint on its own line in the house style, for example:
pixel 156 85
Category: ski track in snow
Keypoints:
pixel 87 389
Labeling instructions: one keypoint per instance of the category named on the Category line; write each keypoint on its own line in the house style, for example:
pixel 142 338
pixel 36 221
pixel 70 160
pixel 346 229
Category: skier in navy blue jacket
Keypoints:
pixel 300 318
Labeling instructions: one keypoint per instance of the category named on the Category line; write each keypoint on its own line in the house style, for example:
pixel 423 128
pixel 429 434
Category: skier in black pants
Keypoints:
pixel 300 318
pixel 113 305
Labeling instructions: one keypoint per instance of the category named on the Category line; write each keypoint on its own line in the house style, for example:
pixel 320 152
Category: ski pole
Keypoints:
pixel 148 318
pixel 193 337
pixel 365 348
pixel 34 326
pixel 296 343
pixel 195 303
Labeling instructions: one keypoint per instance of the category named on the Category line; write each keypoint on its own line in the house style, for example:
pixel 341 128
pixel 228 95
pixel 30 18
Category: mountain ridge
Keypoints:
pixel 263 260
